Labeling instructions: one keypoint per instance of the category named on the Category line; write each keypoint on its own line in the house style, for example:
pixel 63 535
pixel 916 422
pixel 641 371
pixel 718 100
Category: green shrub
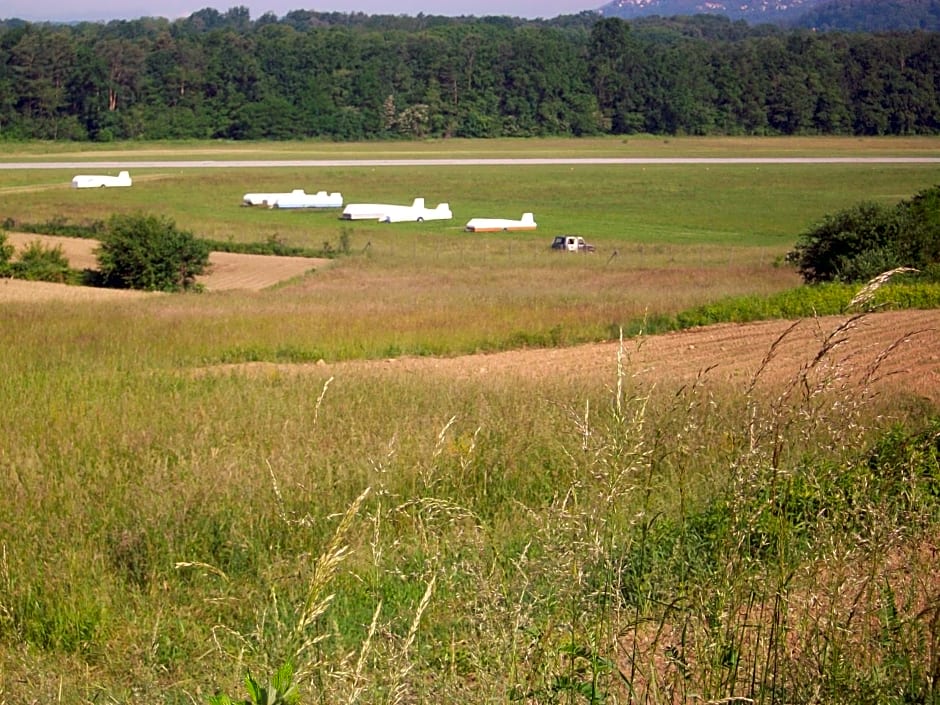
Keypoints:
pixel 58 225
pixel 826 299
pixel 6 252
pixel 40 263
pixel 149 252
pixel 839 247
pixel 922 227
pixel 863 241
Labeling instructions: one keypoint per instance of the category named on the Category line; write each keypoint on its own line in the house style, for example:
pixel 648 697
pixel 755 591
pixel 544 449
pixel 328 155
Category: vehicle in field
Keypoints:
pixel 101 181
pixel 571 243
pixel 495 225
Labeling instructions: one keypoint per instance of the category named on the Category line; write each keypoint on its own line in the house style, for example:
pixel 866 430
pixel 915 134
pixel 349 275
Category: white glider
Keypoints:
pixel 263 199
pixel 300 199
pixel 96 181
pixel 417 213
pixel 390 213
pixel 493 225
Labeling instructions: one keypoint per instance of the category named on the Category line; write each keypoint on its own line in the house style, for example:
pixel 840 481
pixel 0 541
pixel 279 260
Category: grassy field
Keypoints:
pixel 168 526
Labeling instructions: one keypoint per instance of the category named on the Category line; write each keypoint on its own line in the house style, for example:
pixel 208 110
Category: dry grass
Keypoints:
pixel 18 291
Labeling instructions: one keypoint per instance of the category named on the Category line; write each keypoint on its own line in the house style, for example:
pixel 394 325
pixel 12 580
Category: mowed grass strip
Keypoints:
pixel 734 205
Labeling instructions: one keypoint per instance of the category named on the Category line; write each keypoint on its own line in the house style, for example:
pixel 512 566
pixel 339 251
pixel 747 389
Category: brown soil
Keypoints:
pixel 881 351
pixel 17 290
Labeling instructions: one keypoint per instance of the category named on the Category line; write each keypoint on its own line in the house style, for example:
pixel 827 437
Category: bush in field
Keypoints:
pixel 35 263
pixel 40 263
pixel 149 252
pixel 867 239
pixel 922 228
pixel 855 244
pixel 58 225
pixel 6 252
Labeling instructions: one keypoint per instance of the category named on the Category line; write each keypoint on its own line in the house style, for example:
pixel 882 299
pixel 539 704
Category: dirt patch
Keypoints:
pixel 226 270
pixel 882 351
pixel 234 271
pixel 17 290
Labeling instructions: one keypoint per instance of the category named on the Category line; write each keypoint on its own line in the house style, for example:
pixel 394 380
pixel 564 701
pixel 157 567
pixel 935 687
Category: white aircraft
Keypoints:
pixel 300 199
pixel 493 225
pixel 390 213
pixel 96 181
pixel 263 199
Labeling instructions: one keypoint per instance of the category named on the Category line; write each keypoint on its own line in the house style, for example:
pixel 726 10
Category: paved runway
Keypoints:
pixel 130 162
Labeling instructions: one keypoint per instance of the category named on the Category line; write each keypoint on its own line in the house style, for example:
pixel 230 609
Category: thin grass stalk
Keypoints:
pixel 317 601
pixel 398 688
pixel 316 408
pixel 357 684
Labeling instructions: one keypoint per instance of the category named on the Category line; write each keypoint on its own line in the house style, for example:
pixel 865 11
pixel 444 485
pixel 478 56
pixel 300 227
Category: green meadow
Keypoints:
pixel 178 512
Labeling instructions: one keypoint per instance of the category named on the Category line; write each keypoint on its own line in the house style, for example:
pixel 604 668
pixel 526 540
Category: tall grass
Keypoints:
pixel 404 539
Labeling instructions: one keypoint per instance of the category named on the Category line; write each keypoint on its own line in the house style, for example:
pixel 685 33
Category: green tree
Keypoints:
pixel 149 252
pixel 41 62
pixel 921 228
pixel 867 239
pixel 613 67
pixel 864 235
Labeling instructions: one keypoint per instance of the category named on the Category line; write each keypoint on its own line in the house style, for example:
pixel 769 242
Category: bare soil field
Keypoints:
pixel 877 352
pixel 226 270
pixel 17 290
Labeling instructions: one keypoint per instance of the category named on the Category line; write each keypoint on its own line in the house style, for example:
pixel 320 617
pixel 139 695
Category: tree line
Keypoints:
pixel 355 77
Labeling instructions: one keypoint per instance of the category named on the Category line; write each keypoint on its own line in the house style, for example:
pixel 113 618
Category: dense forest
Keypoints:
pixel 355 77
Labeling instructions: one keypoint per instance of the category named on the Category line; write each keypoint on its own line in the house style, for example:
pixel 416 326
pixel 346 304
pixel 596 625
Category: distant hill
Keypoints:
pixel 844 15
pixel 873 15
pixel 754 12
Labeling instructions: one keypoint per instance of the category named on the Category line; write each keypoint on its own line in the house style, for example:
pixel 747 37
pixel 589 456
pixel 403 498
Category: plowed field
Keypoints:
pixel 898 350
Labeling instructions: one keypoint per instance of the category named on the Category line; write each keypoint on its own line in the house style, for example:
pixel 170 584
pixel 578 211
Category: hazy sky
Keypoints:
pixel 65 10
